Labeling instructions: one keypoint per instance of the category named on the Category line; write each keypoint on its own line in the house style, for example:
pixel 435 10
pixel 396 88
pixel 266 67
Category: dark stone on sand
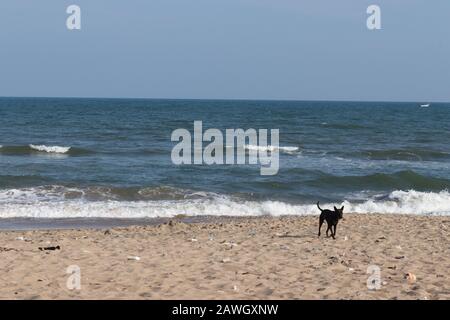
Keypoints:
pixel 50 248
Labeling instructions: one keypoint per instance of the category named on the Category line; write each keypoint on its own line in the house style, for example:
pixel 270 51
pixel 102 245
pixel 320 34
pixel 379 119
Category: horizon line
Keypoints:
pixel 223 99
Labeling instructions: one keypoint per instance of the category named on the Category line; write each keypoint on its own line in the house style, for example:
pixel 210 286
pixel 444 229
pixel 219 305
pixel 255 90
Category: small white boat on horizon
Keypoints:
pixel 425 105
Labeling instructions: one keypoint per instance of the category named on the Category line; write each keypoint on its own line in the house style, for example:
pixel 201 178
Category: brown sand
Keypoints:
pixel 260 258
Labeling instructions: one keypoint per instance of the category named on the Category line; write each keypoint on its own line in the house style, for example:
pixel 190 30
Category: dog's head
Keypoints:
pixel 340 212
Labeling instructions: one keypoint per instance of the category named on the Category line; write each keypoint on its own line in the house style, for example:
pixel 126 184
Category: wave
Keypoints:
pixel 405 154
pixel 148 209
pixel 50 149
pixel 42 149
pixel 53 203
pixel 286 149
pixel 402 180
pixel 405 202
pixel 51 193
pixel 411 154
pixel 71 151
pixel 8 181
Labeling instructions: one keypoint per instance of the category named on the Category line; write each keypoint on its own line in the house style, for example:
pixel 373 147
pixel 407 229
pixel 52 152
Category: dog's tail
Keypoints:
pixel 319 206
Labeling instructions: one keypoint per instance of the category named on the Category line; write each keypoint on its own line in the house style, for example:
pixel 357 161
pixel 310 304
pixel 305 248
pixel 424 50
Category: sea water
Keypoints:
pixel 111 158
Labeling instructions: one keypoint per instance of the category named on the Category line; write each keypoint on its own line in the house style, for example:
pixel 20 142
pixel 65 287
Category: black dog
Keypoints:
pixel 332 218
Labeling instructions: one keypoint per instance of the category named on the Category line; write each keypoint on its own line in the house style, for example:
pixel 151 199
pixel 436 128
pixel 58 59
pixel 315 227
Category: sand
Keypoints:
pixel 246 258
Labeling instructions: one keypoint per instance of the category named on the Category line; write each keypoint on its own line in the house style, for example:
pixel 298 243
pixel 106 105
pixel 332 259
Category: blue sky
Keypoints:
pixel 241 49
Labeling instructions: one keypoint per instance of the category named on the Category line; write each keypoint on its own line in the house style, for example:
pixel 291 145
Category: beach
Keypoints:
pixel 190 156
pixel 232 258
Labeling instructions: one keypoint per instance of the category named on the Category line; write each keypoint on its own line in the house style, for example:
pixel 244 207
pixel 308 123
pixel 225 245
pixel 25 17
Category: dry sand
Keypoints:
pixel 254 258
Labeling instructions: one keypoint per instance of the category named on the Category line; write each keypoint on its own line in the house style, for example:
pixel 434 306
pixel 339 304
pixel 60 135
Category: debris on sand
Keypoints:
pixel 51 248
pixel 23 239
pixel 411 277
pixel 135 258
pixel 333 259
pixel 229 244
pixel 392 267
pixel 2 249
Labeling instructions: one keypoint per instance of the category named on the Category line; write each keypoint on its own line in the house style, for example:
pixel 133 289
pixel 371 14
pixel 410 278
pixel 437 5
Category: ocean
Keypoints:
pixel 111 158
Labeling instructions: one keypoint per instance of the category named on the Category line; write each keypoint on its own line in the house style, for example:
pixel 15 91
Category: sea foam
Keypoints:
pixel 50 149
pixel 39 204
pixel 272 148
pixel 405 202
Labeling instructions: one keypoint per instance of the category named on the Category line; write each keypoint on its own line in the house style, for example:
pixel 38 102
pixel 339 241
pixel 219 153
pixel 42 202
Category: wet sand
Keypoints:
pixel 227 258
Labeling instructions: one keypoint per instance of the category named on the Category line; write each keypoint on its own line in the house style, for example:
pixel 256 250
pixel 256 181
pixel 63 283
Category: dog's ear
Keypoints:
pixel 336 209
pixel 342 209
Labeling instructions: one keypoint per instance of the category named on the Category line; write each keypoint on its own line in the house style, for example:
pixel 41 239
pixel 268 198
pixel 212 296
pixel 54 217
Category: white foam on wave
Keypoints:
pixel 272 148
pixel 36 195
pixel 405 202
pixel 151 209
pixel 31 205
pixel 50 149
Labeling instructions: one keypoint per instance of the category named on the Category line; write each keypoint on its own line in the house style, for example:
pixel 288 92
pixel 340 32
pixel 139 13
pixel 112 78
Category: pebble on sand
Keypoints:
pixel 23 239
pixel 411 277
pixel 136 258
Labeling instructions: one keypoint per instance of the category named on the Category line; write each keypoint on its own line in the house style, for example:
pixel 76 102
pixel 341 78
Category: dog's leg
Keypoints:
pixel 329 229
pixel 320 225
pixel 334 233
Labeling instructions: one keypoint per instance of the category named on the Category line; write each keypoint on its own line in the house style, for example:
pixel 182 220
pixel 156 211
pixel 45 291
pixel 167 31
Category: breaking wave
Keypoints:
pixel 58 193
pixel 65 202
pixel 405 202
pixel 290 150
pixel 50 149
pixel 42 149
